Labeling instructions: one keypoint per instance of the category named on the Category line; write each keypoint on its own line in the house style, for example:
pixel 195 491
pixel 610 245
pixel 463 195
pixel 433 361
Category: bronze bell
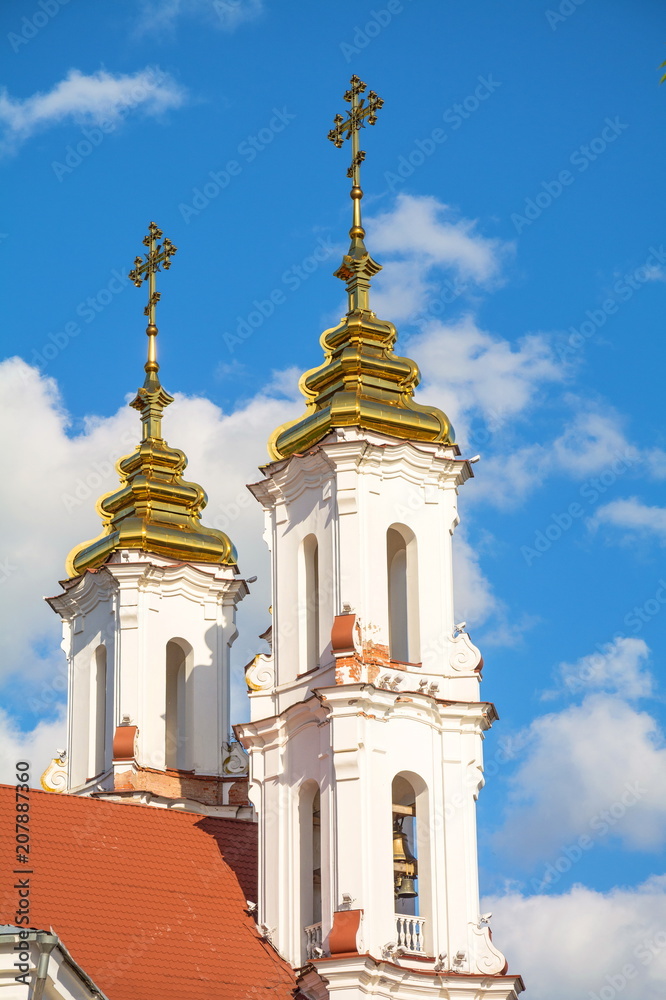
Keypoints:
pixel 404 864
pixel 406 889
pixel 401 851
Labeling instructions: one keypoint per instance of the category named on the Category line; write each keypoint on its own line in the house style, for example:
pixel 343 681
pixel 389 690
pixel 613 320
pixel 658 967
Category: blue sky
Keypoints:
pixel 514 193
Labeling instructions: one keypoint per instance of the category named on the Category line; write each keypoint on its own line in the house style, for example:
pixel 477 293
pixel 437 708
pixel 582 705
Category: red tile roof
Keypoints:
pixel 148 901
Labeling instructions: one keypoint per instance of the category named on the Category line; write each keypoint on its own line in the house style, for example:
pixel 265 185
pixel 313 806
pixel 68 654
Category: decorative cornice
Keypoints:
pixel 329 703
pixel 202 584
pixel 426 466
pixel 386 979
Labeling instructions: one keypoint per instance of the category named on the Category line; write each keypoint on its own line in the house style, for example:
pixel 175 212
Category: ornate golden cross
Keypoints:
pixel 148 267
pixel 360 111
pixel 357 266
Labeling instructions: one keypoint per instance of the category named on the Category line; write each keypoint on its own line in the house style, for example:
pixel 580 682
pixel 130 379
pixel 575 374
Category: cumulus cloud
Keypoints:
pixel 424 228
pixel 37 746
pixel 585 944
pixel 634 518
pixel 595 770
pixel 87 99
pixel 475 601
pixel 621 668
pixel 430 258
pixel 593 439
pixel 472 372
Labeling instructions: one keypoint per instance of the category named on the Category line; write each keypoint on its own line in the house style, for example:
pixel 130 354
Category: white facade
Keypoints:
pixel 147 642
pixel 367 714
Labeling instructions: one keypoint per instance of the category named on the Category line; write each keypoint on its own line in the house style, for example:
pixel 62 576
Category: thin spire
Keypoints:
pixel 152 398
pixel 357 266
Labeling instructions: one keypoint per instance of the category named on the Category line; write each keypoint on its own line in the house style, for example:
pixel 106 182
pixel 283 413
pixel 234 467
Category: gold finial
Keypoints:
pixel 155 509
pixel 357 266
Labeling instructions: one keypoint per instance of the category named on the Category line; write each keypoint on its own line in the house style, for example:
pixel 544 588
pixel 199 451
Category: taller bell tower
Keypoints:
pixel 148 611
pixel 366 728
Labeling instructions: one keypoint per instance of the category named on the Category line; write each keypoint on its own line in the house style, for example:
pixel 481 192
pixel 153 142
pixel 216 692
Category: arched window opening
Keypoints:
pixel 310 603
pixel 98 713
pixel 177 730
pixel 310 848
pixel 412 882
pixel 405 862
pixel 403 594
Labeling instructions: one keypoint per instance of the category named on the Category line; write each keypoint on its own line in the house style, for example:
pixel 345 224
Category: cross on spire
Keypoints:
pixel 157 254
pixel 152 398
pixel 359 112
pixel 357 266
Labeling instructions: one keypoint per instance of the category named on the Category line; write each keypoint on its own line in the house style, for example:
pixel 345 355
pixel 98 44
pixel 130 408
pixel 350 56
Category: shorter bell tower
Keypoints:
pixel 148 612
pixel 367 723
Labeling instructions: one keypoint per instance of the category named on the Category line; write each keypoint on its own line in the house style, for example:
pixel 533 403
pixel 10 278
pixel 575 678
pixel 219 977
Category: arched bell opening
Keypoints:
pixel 411 861
pixel 405 847
pixel 309 808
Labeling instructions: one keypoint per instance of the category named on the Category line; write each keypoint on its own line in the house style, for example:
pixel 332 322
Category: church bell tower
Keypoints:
pixel 148 612
pixel 366 728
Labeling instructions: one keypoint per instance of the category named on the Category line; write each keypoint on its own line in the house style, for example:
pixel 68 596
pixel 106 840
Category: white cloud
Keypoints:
pixel 586 945
pixel 37 747
pixel 595 770
pixel 87 99
pixel 430 259
pixel 592 441
pixel 504 480
pixel 471 371
pixel 634 518
pixel 620 668
pixel 228 15
pixel 422 227
pixel 475 601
